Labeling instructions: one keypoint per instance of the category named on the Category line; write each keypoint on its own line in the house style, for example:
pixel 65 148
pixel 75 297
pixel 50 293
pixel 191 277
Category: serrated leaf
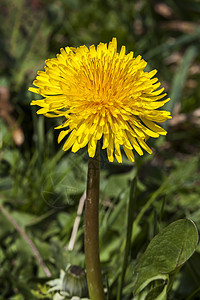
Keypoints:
pixel 166 252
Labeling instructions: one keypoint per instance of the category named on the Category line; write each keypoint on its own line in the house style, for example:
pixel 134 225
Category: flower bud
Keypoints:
pixel 75 282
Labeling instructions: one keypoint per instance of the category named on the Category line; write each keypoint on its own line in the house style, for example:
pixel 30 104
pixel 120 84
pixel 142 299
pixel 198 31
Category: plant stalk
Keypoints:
pixel 92 260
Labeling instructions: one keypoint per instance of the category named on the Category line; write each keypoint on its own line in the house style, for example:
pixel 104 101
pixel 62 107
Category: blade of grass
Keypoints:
pixel 112 214
pixel 193 294
pixel 131 209
pixel 182 40
pixel 181 76
pixel 17 15
pixel 27 239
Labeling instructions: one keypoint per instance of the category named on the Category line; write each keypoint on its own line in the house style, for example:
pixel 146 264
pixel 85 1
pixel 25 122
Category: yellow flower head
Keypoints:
pixel 102 94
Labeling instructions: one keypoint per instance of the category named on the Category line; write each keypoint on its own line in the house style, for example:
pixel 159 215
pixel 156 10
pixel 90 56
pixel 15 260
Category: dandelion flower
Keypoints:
pixel 102 94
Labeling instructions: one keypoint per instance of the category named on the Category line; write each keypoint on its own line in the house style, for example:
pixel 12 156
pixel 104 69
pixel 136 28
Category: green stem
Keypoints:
pixel 171 281
pixel 190 297
pixel 92 260
pixel 148 204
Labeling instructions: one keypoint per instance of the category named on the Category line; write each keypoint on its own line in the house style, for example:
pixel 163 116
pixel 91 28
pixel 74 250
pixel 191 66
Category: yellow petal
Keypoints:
pixel 154 127
pixel 135 144
pixel 118 152
pixel 62 134
pixel 144 145
pixel 129 154
pixel 92 146
pixel 34 90
pixel 70 141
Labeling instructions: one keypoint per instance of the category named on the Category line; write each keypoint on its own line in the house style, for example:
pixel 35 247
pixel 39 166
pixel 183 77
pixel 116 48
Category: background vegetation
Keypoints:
pixel 40 185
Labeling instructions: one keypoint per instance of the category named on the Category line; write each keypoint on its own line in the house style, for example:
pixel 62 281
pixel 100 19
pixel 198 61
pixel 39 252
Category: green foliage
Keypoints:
pixel 40 185
pixel 166 253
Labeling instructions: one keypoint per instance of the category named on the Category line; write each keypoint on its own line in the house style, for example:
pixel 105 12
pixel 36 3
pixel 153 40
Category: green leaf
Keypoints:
pixel 158 293
pixel 116 183
pixel 166 252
